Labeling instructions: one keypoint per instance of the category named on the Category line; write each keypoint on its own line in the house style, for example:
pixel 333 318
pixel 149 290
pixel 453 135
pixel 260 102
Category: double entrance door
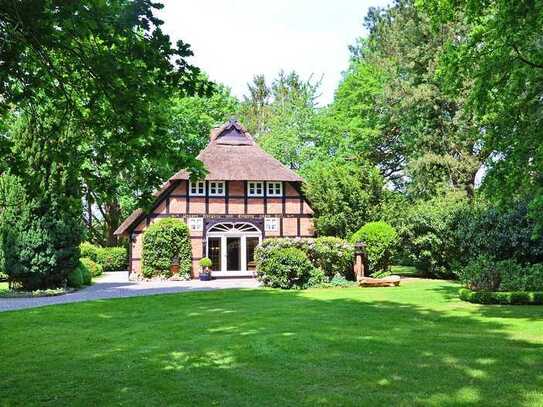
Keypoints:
pixel 232 253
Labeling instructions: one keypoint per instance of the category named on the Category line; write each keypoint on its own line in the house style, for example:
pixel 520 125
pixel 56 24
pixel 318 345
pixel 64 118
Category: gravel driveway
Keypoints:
pixel 116 285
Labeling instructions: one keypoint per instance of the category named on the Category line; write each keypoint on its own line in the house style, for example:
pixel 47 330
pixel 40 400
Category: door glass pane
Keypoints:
pixel 214 252
pixel 233 258
pixel 252 242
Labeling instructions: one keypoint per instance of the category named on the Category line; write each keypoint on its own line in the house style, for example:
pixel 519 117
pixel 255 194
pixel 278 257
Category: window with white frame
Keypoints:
pixel 274 188
pixel 197 188
pixel 255 189
pixel 216 188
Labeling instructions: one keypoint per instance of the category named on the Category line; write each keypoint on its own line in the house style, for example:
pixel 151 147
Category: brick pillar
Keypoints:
pixel 359 260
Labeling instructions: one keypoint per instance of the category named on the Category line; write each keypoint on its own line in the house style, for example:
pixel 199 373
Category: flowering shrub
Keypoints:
pixel 331 254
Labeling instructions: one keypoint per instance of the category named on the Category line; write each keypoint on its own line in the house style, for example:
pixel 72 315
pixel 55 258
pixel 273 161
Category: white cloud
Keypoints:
pixel 235 39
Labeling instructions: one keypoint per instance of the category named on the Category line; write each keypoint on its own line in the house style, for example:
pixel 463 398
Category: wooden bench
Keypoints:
pixel 389 281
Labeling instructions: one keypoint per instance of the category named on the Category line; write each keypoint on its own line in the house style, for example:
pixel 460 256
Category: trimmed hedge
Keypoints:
pixel 162 241
pixel 332 255
pixel 110 258
pixel 502 297
pixel 287 268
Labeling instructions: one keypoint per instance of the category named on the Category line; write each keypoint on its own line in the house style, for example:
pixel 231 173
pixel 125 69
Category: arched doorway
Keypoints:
pixel 231 246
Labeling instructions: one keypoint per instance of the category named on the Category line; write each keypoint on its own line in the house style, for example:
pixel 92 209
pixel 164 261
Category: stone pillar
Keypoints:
pixel 359 260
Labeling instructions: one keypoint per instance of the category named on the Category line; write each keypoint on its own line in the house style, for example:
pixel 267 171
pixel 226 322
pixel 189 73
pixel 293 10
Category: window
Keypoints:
pixel 197 188
pixel 256 189
pixel 274 188
pixel 216 188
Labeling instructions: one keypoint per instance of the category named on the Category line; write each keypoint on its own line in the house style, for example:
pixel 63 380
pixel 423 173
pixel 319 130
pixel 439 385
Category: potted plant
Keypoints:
pixel 205 273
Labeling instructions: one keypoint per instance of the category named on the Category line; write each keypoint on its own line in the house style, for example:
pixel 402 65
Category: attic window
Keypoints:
pixel 255 189
pixel 216 188
pixel 197 188
pixel 274 189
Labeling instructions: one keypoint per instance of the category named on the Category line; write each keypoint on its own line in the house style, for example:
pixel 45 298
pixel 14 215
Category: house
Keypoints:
pixel 246 196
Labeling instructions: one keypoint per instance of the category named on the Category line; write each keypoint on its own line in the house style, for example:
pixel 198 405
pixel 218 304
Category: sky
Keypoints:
pixel 233 40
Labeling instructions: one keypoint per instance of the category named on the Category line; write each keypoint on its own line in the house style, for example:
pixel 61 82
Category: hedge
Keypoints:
pixel 162 241
pixel 502 297
pixel 110 258
pixel 332 255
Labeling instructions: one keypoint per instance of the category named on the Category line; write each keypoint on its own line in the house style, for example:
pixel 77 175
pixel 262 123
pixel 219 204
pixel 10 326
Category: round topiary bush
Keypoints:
pixel 162 242
pixel 95 268
pixel 380 239
pixel 287 268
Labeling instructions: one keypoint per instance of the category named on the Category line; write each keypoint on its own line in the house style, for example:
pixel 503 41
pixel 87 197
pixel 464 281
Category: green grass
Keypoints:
pixel 415 345
pixel 4 287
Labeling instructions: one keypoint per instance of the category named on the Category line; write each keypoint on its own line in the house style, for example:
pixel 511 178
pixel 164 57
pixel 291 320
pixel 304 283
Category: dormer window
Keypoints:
pixel 274 188
pixel 216 188
pixel 255 189
pixel 197 188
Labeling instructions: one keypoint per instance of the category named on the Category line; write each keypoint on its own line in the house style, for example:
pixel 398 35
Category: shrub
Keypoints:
pixel 487 274
pixel 534 278
pixel 502 233
pixel 38 245
pixel 286 268
pixel 330 254
pixel 206 262
pixel 89 250
pixel 162 241
pixel 427 234
pixel 480 274
pixel 95 268
pixel 112 258
pixel 75 278
pixel 334 256
pixel 81 275
pixel 380 239
pixel 337 281
pixel 504 298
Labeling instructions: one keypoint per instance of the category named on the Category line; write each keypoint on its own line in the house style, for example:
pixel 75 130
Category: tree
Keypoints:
pixel 190 119
pixel 499 58
pixel 87 82
pixel 344 195
pixel 398 115
pixel 282 116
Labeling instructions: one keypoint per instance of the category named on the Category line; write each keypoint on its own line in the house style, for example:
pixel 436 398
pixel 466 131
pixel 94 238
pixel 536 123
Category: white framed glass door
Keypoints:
pixel 231 246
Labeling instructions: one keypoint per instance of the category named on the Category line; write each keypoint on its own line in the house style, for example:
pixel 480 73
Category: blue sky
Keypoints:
pixel 235 39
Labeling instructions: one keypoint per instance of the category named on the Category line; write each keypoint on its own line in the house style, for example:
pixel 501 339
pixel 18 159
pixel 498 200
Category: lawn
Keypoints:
pixel 3 287
pixel 415 345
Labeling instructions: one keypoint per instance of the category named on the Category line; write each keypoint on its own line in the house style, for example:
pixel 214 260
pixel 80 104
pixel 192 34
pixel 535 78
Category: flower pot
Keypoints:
pixel 205 276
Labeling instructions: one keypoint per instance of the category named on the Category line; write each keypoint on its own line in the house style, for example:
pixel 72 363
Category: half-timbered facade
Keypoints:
pixel 246 196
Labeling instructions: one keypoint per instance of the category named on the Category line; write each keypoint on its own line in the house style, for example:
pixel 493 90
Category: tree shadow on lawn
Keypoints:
pixel 264 347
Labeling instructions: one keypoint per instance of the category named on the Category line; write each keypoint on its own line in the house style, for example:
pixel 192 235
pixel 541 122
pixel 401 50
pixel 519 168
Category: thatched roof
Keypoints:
pixel 231 155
